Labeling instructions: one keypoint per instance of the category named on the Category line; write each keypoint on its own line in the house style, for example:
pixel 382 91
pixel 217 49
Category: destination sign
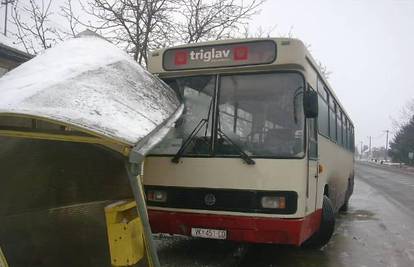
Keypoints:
pixel 213 56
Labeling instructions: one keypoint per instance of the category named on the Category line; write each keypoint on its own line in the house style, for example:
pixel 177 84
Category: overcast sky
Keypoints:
pixel 368 46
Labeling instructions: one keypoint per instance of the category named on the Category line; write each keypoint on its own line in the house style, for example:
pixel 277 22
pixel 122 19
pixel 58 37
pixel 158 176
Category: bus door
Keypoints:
pixel 313 164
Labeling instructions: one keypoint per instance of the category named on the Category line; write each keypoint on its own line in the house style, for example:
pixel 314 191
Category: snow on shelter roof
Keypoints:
pixel 90 84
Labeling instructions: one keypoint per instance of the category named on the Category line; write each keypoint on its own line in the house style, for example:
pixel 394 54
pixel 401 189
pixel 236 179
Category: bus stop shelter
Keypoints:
pixel 83 91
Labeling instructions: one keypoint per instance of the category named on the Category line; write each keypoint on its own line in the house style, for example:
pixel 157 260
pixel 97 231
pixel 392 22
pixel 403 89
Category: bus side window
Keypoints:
pixel 313 141
pixel 345 134
pixel 332 118
pixel 338 125
pixel 323 116
pixel 352 145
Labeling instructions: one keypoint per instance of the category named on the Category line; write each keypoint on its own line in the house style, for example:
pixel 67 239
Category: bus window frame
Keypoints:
pixel 216 113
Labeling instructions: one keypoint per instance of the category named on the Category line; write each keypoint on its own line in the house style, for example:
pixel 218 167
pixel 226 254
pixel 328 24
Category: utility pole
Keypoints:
pixel 386 146
pixel 360 154
pixel 6 2
pixel 370 151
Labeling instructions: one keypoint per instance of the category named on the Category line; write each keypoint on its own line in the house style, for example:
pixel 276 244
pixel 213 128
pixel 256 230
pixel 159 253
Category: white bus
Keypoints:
pixel 251 159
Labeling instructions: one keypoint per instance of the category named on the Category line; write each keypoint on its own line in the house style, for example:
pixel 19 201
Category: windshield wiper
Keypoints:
pixel 190 138
pixel 243 155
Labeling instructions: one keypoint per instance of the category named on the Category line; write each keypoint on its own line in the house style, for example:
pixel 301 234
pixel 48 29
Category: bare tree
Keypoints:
pixel 66 11
pixel 407 111
pixel 34 29
pixel 324 70
pixel 138 25
pixel 405 114
pixel 216 19
pixel 259 32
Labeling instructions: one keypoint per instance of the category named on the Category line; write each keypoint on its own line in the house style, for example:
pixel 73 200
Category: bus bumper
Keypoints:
pixel 239 228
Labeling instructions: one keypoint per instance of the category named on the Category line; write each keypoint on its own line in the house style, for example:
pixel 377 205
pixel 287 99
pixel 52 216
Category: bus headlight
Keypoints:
pixel 156 195
pixel 269 202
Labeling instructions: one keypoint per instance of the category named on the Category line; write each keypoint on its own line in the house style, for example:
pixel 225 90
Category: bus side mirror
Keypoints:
pixel 310 104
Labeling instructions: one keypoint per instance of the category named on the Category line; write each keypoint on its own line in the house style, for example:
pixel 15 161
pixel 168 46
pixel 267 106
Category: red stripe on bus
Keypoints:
pixel 239 228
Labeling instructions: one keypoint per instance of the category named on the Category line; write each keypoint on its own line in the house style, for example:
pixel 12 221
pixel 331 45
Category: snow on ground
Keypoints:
pixel 89 83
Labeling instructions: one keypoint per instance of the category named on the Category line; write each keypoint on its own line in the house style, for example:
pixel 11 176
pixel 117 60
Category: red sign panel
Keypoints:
pixel 180 58
pixel 241 53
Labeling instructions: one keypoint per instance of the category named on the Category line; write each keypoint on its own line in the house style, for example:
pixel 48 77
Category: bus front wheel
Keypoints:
pixel 350 189
pixel 326 229
pixel 344 207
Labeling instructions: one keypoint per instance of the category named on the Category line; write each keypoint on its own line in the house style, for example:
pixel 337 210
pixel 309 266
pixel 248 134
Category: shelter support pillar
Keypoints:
pixel 134 170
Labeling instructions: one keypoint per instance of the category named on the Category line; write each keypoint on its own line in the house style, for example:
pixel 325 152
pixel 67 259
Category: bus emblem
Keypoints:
pixel 180 58
pixel 210 199
pixel 241 53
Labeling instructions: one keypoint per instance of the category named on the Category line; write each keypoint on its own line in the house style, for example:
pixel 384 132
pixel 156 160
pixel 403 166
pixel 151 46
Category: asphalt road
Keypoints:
pixel 378 230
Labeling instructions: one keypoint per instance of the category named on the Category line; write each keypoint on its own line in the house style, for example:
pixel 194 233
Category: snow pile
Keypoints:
pixel 89 83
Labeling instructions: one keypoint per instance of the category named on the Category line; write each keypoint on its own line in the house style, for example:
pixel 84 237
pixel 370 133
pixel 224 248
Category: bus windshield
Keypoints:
pixel 197 94
pixel 261 114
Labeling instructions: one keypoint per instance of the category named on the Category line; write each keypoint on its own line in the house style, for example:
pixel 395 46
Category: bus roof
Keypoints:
pixel 199 58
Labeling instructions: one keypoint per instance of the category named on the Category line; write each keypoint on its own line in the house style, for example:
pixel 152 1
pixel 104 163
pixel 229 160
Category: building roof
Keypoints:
pixel 11 51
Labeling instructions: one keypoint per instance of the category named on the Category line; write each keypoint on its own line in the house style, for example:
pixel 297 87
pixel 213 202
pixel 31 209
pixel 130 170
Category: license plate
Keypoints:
pixel 209 233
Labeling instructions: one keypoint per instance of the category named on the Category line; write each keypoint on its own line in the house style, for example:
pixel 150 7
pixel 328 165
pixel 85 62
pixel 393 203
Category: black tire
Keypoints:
pixel 349 191
pixel 326 229
pixel 344 207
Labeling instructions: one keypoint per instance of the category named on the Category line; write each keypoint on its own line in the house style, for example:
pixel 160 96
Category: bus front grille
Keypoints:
pixel 234 200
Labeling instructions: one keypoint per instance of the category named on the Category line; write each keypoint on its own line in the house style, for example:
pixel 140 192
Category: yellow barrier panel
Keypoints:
pixel 3 262
pixel 126 242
